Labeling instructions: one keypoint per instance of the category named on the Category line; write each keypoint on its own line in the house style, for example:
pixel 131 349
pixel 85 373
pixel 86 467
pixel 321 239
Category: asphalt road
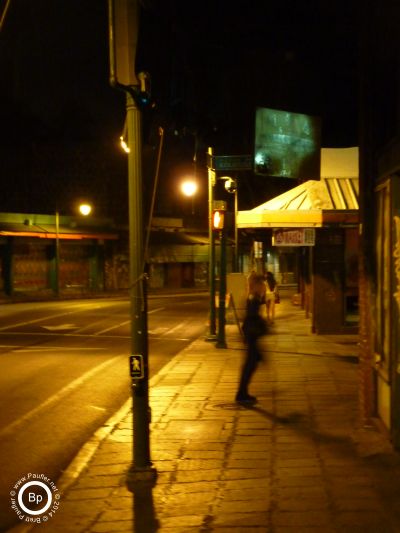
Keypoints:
pixel 64 371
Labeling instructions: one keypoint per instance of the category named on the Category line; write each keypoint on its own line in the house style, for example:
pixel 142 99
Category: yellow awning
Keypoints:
pixel 310 204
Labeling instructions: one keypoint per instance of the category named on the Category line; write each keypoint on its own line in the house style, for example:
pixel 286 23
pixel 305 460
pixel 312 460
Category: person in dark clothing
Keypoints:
pixel 254 326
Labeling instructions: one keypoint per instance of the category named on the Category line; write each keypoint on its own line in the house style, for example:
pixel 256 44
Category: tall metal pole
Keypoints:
pixel 57 258
pixel 211 250
pixel 221 342
pixel 141 468
pixel 236 263
pixel 123 35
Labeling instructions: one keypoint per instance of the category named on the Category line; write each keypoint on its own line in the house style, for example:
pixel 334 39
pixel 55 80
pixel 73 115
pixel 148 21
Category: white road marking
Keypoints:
pixel 9 346
pixel 26 323
pixel 181 325
pixel 98 408
pixel 112 327
pixel 60 327
pixel 24 349
pixel 49 334
pixel 57 397
pixel 155 310
pixel 158 331
pixel 125 323
pixel 169 339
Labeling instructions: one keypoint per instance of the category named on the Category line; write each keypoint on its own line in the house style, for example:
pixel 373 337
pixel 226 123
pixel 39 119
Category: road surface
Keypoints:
pixel 64 371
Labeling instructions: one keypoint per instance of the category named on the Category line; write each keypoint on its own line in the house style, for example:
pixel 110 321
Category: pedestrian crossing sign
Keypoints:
pixel 136 366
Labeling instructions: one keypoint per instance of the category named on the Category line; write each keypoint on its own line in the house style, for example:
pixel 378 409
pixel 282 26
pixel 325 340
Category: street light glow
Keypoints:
pixel 125 147
pixel 189 188
pixel 85 209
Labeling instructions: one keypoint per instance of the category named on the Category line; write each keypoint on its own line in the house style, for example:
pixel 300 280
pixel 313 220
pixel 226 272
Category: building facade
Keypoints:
pixel 380 212
pixel 46 255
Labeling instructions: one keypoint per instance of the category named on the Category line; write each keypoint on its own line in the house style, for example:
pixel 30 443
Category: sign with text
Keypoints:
pixel 230 162
pixel 293 237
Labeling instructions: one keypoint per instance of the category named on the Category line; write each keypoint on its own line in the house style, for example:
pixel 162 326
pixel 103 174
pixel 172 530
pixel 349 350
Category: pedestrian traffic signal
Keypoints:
pixel 218 219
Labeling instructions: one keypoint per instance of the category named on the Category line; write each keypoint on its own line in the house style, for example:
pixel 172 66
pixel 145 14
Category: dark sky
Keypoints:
pixel 211 62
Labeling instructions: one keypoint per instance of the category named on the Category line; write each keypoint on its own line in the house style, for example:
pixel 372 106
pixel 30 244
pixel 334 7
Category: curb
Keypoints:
pixel 88 450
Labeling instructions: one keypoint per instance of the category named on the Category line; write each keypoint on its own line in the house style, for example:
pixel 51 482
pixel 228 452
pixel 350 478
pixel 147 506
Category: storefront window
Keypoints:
pixel 283 263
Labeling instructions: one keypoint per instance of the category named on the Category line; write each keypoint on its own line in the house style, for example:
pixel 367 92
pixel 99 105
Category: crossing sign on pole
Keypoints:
pixel 136 366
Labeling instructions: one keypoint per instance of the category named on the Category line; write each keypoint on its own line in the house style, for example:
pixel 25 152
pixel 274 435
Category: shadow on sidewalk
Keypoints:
pixel 145 519
pixel 300 423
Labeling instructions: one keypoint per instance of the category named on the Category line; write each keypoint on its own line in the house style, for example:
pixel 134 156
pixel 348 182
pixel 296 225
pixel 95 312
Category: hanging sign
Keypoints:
pixel 293 237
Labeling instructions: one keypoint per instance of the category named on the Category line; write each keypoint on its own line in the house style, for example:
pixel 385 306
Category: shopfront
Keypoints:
pixel 310 240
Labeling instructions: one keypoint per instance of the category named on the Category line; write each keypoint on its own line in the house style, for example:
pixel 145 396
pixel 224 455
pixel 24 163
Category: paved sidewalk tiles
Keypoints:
pixel 294 462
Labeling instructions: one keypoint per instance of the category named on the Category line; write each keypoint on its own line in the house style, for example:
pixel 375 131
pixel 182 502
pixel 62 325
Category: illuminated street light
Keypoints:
pixel 189 188
pixel 125 147
pixel 85 209
pixel 231 186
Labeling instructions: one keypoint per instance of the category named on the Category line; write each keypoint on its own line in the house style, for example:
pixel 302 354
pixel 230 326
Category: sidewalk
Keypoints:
pixel 295 462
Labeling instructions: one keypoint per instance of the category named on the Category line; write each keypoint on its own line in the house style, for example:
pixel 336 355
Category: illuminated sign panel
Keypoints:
pixel 296 237
pixel 287 144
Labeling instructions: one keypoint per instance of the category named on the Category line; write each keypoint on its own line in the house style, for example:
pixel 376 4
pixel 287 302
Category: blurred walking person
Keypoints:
pixel 254 327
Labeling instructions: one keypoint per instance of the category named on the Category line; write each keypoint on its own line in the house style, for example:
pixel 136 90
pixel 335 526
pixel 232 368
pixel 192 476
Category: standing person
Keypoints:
pixel 254 326
pixel 270 296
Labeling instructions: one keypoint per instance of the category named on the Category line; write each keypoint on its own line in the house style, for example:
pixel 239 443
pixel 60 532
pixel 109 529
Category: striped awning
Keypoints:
pixel 310 204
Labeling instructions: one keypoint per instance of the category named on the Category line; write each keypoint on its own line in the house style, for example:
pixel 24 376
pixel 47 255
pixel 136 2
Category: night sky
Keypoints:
pixel 212 64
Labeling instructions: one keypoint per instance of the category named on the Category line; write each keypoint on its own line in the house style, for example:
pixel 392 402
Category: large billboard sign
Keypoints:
pixel 287 144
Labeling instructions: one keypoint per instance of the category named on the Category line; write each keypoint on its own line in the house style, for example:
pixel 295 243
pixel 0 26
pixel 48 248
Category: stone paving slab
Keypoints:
pixel 290 463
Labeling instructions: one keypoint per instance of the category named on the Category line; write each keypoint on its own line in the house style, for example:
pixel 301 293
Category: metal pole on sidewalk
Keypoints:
pixel 236 236
pixel 142 466
pixel 221 342
pixel 211 251
pixel 123 32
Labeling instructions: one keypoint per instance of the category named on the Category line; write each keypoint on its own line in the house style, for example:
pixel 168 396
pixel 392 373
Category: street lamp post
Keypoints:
pixel 211 252
pixel 84 209
pixel 221 342
pixel 231 187
pixel 123 35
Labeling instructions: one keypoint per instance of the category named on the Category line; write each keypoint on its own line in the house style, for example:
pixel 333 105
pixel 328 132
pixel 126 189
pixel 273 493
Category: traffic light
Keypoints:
pixel 218 219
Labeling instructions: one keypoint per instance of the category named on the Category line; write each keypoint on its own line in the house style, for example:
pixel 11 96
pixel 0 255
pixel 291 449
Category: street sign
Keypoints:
pixel 136 366
pixel 219 204
pixel 293 237
pixel 230 162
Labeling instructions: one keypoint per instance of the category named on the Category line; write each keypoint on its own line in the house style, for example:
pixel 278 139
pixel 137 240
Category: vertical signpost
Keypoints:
pixel 123 32
pixel 211 250
pixel 219 225
pixel 57 255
